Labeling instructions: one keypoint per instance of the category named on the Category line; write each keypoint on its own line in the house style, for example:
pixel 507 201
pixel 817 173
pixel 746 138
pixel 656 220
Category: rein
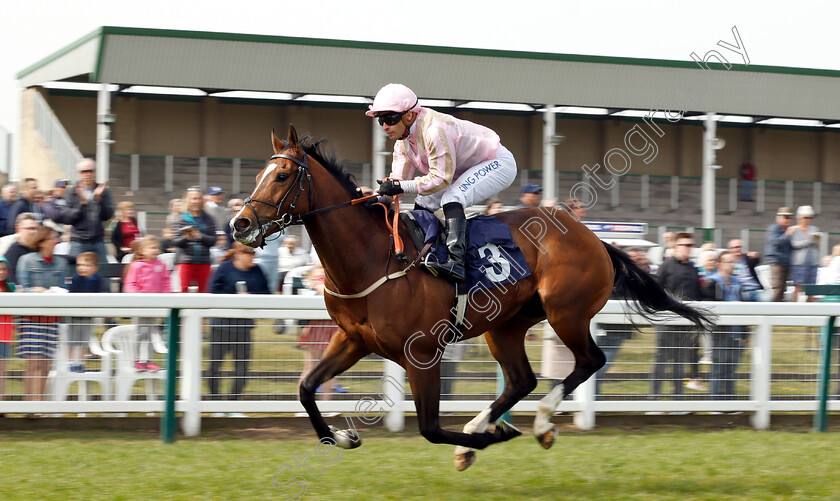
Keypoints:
pixel 287 218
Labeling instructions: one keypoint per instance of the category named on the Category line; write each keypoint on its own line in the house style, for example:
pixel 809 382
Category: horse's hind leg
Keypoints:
pixel 341 354
pixel 425 387
pixel 574 332
pixel 507 344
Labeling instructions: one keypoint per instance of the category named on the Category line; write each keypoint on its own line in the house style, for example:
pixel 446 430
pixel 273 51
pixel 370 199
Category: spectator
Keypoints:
pixel 291 256
pixel 8 196
pixel 317 334
pixel 146 274
pixel 268 259
pixel 452 354
pixel 55 206
pixel 237 274
pixel 577 207
pixel 558 361
pixel 530 196
pixel 89 205
pixel 86 279
pixel 218 251
pixel 63 247
pixel 176 207
pixel 747 176
pixel 214 204
pixel 193 235
pixel 234 206
pixel 26 203
pixel 777 252
pixel 7 327
pixel 27 228
pixel 39 271
pixel 834 266
pixel 126 230
pixel 751 288
pixel 676 344
pixel 804 259
pixel 494 206
pixel 728 341
pixel 610 337
pixel 640 259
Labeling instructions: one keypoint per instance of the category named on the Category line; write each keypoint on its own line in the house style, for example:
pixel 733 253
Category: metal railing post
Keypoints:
pixel 821 417
pixel 168 423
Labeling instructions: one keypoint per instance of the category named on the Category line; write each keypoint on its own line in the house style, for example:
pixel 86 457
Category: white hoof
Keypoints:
pixel 345 438
pixel 465 456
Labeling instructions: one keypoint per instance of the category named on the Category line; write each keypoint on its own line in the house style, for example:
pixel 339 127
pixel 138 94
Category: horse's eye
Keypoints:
pixel 281 177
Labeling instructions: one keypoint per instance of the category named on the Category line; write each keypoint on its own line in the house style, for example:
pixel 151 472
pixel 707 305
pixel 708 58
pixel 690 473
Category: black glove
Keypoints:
pixel 389 187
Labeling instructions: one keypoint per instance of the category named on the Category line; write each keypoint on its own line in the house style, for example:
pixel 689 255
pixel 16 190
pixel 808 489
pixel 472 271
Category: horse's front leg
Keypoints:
pixel 341 354
pixel 425 386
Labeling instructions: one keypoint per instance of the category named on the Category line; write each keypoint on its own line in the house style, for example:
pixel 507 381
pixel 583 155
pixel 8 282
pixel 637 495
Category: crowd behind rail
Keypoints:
pixel 79 239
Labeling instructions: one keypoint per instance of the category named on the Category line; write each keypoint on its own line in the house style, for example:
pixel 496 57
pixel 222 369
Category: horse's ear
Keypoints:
pixel 276 143
pixel 293 139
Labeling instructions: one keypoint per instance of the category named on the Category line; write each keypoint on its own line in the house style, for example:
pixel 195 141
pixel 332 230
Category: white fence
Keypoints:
pixel 765 367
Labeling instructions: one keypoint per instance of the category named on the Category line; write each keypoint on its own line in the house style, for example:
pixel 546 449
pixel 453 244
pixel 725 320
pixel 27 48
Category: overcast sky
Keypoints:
pixel 781 33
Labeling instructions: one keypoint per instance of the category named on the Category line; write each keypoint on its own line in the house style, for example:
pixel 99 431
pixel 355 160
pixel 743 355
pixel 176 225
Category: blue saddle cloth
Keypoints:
pixel 492 256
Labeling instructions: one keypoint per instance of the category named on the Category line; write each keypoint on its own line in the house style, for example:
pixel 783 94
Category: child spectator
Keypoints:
pixel 80 329
pixel 7 326
pixel 147 274
pixel 126 230
pixel 834 266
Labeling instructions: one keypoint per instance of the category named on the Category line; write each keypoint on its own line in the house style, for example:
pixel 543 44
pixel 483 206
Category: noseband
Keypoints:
pixel 286 218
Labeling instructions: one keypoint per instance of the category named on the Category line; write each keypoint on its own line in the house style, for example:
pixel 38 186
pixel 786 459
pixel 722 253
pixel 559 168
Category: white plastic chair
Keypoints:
pixel 60 378
pixel 122 342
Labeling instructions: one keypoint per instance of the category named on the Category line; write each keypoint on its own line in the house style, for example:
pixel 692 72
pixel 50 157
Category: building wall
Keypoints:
pixel 211 127
pixel 36 161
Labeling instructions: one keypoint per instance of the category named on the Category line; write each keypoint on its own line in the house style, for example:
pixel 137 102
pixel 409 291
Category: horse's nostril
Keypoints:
pixel 242 223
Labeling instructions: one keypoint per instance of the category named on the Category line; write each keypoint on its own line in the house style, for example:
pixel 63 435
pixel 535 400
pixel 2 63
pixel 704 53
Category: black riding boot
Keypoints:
pixel 456 242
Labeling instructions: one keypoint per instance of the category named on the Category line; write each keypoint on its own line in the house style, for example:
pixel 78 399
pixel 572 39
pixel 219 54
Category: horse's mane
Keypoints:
pixel 335 167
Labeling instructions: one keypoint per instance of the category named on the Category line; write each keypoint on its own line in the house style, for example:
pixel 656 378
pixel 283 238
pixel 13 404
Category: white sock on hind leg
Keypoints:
pixel 545 409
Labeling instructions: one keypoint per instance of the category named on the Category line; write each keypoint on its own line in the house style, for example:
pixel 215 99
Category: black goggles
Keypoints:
pixel 392 118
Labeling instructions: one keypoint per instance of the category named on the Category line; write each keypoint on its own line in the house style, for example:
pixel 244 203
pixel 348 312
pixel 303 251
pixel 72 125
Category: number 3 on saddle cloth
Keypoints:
pixel 492 256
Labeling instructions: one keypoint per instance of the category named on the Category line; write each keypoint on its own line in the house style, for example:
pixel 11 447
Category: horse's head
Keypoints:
pixel 283 191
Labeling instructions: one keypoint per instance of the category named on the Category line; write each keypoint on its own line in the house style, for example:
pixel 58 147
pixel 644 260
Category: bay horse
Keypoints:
pixel 572 275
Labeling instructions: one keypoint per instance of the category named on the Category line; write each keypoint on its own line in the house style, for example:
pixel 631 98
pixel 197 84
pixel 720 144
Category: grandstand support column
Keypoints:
pixel 550 140
pixel 104 119
pixel 379 153
pixel 708 186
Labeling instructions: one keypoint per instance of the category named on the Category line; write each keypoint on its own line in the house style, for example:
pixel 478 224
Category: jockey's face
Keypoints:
pixel 397 130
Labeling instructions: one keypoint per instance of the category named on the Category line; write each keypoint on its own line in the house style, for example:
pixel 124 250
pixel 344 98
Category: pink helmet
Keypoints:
pixel 393 97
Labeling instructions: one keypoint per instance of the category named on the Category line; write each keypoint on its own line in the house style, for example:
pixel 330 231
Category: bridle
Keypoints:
pixel 286 219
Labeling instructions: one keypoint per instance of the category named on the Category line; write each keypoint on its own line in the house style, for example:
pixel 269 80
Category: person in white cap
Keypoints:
pixel 460 163
pixel 804 260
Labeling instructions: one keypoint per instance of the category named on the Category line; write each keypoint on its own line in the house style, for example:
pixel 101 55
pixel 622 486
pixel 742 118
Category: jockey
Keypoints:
pixel 460 163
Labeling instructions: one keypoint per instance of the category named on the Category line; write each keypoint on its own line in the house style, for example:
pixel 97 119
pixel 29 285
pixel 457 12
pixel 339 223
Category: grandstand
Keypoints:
pixel 200 127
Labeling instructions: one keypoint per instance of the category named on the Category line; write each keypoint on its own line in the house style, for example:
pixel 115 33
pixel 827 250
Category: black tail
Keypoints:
pixel 651 299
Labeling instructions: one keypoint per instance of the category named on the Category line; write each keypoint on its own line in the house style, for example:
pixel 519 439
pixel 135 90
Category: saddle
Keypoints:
pixel 492 257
